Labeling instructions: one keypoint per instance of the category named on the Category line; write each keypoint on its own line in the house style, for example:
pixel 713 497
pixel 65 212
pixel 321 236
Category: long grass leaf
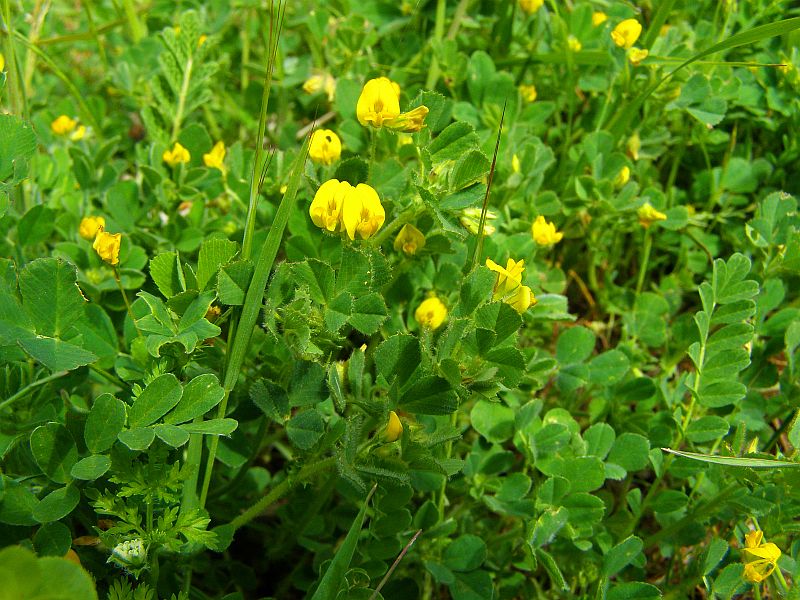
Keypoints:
pixel 733 461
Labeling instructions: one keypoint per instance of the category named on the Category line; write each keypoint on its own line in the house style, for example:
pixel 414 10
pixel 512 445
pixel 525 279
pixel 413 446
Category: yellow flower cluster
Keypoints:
pixel 379 106
pixel 105 244
pixel 626 33
pixel 759 558
pixel 649 215
pixel 409 240
pixel 431 313
pixel 508 286
pixel 544 232
pixel 338 206
pixel 528 92
pixel 321 82
pixel 215 159
pixel 64 125
pixel 176 156
pixel 531 6
pixel 325 147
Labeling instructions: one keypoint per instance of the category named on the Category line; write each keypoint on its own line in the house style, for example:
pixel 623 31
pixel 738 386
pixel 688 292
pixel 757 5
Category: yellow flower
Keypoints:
pixel 107 246
pixel 521 299
pixel 90 226
pixel 63 125
pixel 622 177
pixel 574 43
pixel 649 215
pixel 394 429
pixel 2 62
pixel 321 82
pixel 78 134
pixel 409 240
pixel 626 33
pixel 528 92
pixel 326 208
pixel 544 233
pixel 379 101
pixel 431 313
pixel 633 145
pixel 759 558
pixel 216 158
pixel 362 212
pixel 637 55
pixel 598 18
pixel 325 147
pixel 176 156
pixel 409 122
pixel 508 278
pixel 201 40
pixel 531 6
pixel 515 164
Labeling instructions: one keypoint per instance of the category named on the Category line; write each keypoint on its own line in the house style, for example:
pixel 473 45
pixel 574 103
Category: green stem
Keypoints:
pixel 280 490
pixel 438 34
pixel 101 49
pixel 16 97
pixel 136 27
pixel 187 77
pixel 127 303
pixel 30 387
pixel 212 451
pixel 194 455
pixel 648 245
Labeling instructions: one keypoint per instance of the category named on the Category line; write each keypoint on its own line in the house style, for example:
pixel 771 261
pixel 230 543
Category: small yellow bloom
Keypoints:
pixel 362 212
pixel 637 55
pixel 409 122
pixel 321 82
pixel 544 233
pixel 598 18
pixel 78 134
pixel 515 164
pixel 626 33
pixel 409 240
pixel 63 125
pixel 633 145
pixel 201 40
pixel 531 6
pixel 326 208
pixel 2 62
pixel 622 177
pixel 649 215
pixel 521 299
pixel 176 156
pixel 90 226
pixel 216 158
pixel 508 278
pixel 325 147
pixel 760 559
pixel 379 101
pixel 394 429
pixel 528 92
pixel 107 246
pixel 574 43
pixel 431 313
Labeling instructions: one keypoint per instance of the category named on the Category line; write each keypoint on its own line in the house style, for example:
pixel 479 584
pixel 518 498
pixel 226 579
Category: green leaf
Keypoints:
pixel 732 461
pixel 50 295
pixel 106 419
pixel 307 385
pixel 475 585
pixel 575 345
pixel 720 393
pixel 318 277
pixel 137 439
pixel 431 395
pixel 608 368
pixel 706 429
pixel 633 590
pixel 599 439
pixel 17 147
pixel 91 467
pixel 55 354
pixel 453 142
pixel 17 505
pixel 621 555
pixel 398 357
pixel 200 395
pixel 334 577
pixel 52 539
pixel 353 170
pixel 476 289
pixel 213 254
pixel 212 427
pixel 493 420
pixel 172 435
pixel 468 169
pixel 232 282
pixel 57 504
pixel 36 225
pixel 551 566
pixel 668 501
pixel 271 399
pixel 369 312
pixel 305 429
pixel 584 473
pixel 167 274
pixel 158 398
pixel 630 451
pixel 26 577
pixel 54 450
pixel 465 553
